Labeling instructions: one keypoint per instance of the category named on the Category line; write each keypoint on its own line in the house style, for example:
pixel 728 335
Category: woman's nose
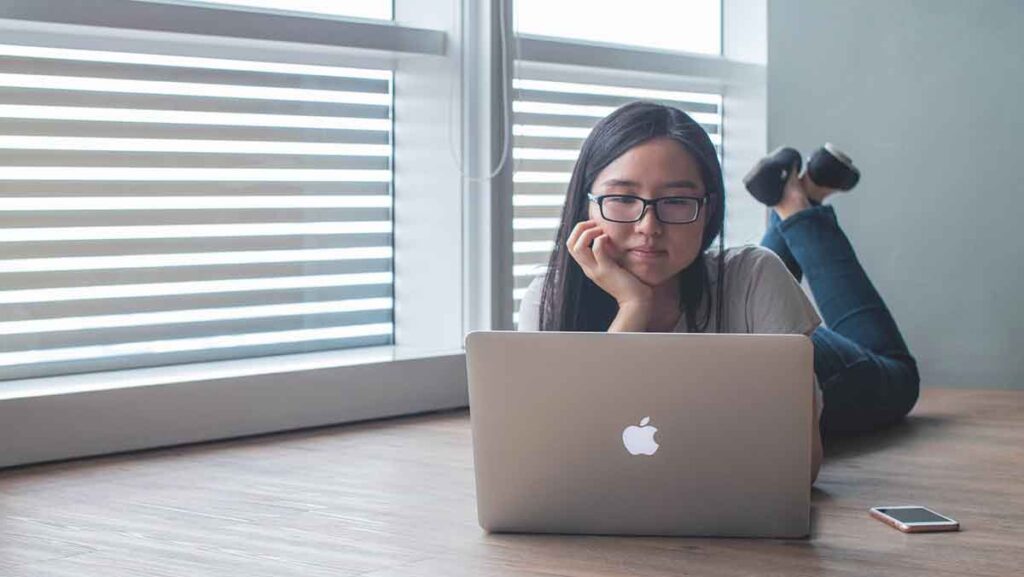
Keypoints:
pixel 649 222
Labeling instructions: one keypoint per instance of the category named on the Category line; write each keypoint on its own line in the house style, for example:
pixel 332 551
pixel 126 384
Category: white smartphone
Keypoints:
pixel 914 519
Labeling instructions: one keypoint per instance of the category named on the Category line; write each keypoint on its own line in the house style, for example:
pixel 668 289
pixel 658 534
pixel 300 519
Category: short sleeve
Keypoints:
pixel 775 302
pixel 529 307
pixel 777 305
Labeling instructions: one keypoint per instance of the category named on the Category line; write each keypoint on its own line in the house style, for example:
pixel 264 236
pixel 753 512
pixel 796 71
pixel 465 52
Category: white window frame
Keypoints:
pixel 78 415
pixel 453 245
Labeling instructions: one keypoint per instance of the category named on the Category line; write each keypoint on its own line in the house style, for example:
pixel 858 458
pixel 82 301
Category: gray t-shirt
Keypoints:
pixel 761 296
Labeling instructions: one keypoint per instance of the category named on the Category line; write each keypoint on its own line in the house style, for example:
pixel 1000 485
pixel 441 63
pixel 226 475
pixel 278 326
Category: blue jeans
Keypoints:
pixel 868 377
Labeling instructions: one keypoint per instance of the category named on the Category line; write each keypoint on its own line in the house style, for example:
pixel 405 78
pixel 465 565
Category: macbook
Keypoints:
pixel 641 433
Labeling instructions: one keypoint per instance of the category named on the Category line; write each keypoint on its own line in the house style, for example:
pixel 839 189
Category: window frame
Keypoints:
pixel 453 250
pixel 96 413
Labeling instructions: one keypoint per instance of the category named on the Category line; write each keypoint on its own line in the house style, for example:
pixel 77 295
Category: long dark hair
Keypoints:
pixel 570 301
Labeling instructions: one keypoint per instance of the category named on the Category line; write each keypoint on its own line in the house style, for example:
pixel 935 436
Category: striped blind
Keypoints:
pixel 159 210
pixel 550 122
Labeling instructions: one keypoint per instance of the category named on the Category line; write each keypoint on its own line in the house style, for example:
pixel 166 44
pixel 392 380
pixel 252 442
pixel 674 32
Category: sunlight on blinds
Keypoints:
pixel 160 210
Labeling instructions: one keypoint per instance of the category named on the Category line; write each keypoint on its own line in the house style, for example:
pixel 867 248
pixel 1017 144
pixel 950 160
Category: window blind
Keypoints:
pixel 550 122
pixel 159 210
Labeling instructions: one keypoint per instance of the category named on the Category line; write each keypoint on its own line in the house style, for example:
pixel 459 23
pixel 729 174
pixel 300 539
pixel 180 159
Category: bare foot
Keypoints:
pixel 813 191
pixel 794 197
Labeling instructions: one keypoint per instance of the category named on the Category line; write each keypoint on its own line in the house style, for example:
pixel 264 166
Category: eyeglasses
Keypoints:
pixel 668 210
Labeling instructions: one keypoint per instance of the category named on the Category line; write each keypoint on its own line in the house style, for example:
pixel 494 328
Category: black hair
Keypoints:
pixel 570 301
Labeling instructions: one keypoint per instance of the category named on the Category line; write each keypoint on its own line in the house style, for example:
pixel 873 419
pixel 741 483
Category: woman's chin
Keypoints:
pixel 648 276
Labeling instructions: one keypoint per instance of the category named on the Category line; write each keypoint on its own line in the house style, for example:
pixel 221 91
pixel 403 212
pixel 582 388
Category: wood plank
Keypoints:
pixel 395 498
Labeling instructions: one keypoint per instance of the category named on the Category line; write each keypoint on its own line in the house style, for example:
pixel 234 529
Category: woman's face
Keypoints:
pixel 657 168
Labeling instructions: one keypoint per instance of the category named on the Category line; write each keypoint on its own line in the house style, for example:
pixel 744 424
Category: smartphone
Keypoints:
pixel 914 519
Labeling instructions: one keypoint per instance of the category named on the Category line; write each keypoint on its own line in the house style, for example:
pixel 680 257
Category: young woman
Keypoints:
pixel 633 253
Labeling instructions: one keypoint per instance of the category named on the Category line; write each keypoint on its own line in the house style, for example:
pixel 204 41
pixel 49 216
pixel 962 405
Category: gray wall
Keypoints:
pixel 927 96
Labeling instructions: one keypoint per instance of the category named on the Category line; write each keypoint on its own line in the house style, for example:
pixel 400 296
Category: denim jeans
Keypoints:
pixel 868 377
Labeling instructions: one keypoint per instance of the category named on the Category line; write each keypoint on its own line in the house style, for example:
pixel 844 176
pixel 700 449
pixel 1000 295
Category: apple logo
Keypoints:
pixel 640 440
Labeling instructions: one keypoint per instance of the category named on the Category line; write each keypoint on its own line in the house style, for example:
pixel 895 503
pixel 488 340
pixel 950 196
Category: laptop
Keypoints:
pixel 664 434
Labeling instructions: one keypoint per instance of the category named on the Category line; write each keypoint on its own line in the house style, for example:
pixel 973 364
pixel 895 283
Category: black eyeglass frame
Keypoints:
pixel 701 201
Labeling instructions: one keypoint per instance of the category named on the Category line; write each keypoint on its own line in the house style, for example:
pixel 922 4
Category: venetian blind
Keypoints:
pixel 159 210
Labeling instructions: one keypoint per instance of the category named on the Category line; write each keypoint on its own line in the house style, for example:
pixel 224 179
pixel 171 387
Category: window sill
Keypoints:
pixel 71 416
pixel 210 371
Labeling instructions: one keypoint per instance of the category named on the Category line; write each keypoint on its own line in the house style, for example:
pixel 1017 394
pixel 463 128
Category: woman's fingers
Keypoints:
pixel 609 248
pixel 585 243
pixel 577 231
pixel 586 239
pixel 601 250
pixel 579 241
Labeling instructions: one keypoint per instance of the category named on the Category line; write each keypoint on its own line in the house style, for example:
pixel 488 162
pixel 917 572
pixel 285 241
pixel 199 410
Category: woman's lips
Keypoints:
pixel 647 254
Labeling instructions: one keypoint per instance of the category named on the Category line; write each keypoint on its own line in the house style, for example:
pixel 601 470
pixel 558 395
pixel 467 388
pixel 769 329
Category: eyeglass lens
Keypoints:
pixel 628 209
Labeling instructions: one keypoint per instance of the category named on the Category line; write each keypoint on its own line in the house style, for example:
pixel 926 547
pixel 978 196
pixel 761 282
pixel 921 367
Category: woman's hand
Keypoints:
pixel 600 264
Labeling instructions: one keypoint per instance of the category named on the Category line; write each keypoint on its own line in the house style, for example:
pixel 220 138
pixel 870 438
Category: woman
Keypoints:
pixel 623 262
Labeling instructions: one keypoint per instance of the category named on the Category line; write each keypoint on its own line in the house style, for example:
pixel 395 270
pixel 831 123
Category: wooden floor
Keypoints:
pixel 396 498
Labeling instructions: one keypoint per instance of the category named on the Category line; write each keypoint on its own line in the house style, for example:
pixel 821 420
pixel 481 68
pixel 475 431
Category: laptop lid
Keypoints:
pixel 642 433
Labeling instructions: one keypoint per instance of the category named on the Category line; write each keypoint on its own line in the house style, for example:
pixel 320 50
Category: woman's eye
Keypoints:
pixel 620 200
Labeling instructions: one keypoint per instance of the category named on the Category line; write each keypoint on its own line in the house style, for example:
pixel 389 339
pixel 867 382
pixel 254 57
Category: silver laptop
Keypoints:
pixel 642 433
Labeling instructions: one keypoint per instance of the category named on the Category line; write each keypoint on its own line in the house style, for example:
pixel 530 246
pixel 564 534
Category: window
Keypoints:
pixel 551 120
pixel 250 208
pixel 684 25
pixel 161 210
pixel 577 61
